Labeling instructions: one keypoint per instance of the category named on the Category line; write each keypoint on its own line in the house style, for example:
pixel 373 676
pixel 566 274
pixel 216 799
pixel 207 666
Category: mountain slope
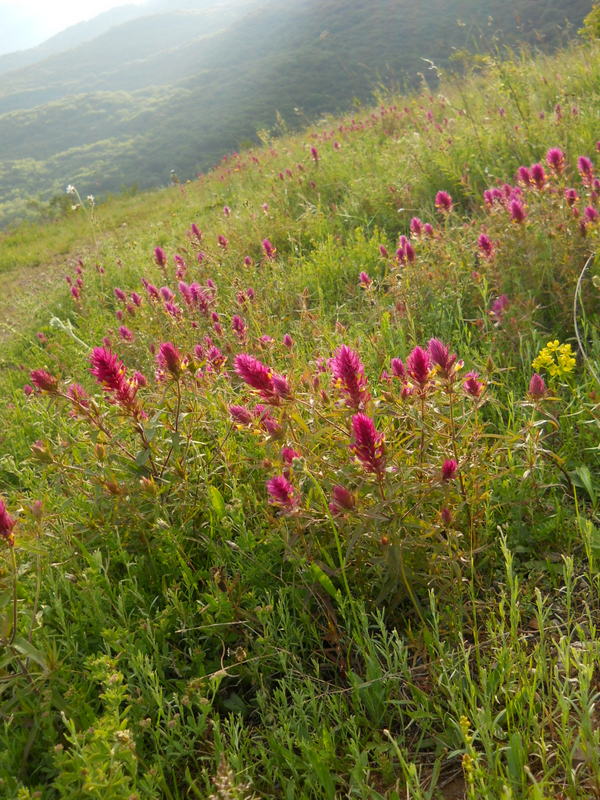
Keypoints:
pixel 176 90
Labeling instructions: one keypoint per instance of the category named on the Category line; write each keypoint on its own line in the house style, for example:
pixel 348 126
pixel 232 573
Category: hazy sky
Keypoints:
pixel 25 23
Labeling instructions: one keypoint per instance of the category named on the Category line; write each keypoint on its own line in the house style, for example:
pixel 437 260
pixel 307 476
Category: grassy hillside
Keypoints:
pixel 178 89
pixel 264 534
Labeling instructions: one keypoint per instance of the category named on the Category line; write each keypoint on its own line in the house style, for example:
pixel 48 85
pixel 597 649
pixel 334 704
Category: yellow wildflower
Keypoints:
pixel 556 358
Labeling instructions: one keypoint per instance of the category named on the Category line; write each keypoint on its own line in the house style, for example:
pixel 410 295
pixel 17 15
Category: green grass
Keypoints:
pixel 179 636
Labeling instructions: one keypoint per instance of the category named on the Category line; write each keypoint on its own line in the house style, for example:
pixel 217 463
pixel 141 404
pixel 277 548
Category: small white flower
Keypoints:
pixel 71 189
pixel 91 199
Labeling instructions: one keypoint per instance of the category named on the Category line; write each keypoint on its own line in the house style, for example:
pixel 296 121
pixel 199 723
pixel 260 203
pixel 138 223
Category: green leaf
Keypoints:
pixel 317 574
pixel 29 651
pixel 142 457
pixel 216 501
pixel 582 479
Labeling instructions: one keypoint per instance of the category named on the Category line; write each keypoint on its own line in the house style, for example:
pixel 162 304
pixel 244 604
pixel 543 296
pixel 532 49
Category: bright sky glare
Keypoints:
pixel 25 23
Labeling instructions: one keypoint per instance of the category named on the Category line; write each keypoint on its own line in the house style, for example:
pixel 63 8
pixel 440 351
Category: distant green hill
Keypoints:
pixel 175 90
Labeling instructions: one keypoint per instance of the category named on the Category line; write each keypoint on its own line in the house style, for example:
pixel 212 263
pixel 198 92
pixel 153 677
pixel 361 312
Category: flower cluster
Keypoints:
pixel 556 358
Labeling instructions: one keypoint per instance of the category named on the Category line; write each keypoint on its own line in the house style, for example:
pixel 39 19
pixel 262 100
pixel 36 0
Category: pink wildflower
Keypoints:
pixel 524 176
pixel 78 395
pixel 288 454
pixel 486 246
pixel 555 158
pixel 586 169
pixel 398 370
pixel 349 375
pixel 269 250
pixel 266 420
pixel 405 252
pixel 257 375
pixel 241 415
pixel 222 241
pixel 341 500
pixel 120 294
pixel 126 334
pixel 418 366
pixel 44 381
pixel 537 387
pixel 160 257
pixel 173 309
pixel 239 327
pixel 416 226
pixel 169 359
pixel 288 341
pixel 443 202
pixel 367 445
pixel 196 232
pixel 571 196
pixel 314 154
pixel 441 357
pixel 109 370
pixel 499 306
pixel 472 385
pixel 449 469
pixel 517 211
pixel 538 176
pixel 282 493
pixel 7 523
pixel 153 293
pixel 364 280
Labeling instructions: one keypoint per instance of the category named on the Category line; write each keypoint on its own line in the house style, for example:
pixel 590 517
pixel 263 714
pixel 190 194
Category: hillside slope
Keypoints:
pixel 177 89
pixel 299 465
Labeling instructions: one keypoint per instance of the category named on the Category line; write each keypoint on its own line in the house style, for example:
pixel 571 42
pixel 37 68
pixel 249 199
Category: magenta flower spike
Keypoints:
pixel 7 523
pixel 443 202
pixel 418 366
pixel 257 375
pixel 169 359
pixel 44 381
pixel 349 375
pixel 282 493
pixel 537 387
pixel 449 469
pixel 367 444
pixel 555 158
pixel 160 257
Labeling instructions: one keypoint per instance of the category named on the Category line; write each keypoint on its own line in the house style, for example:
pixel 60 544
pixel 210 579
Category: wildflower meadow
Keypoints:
pixel 300 463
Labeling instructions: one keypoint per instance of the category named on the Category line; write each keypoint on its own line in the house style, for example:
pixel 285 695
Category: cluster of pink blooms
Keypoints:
pixel 419 375
pixel 536 178
pixel 405 254
pixel 419 228
pixel 273 388
pixel 349 376
pixel 75 282
pixel 108 369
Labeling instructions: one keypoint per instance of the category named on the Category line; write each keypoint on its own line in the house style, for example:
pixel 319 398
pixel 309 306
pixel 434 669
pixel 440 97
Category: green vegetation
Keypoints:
pixel 222 582
pixel 178 90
